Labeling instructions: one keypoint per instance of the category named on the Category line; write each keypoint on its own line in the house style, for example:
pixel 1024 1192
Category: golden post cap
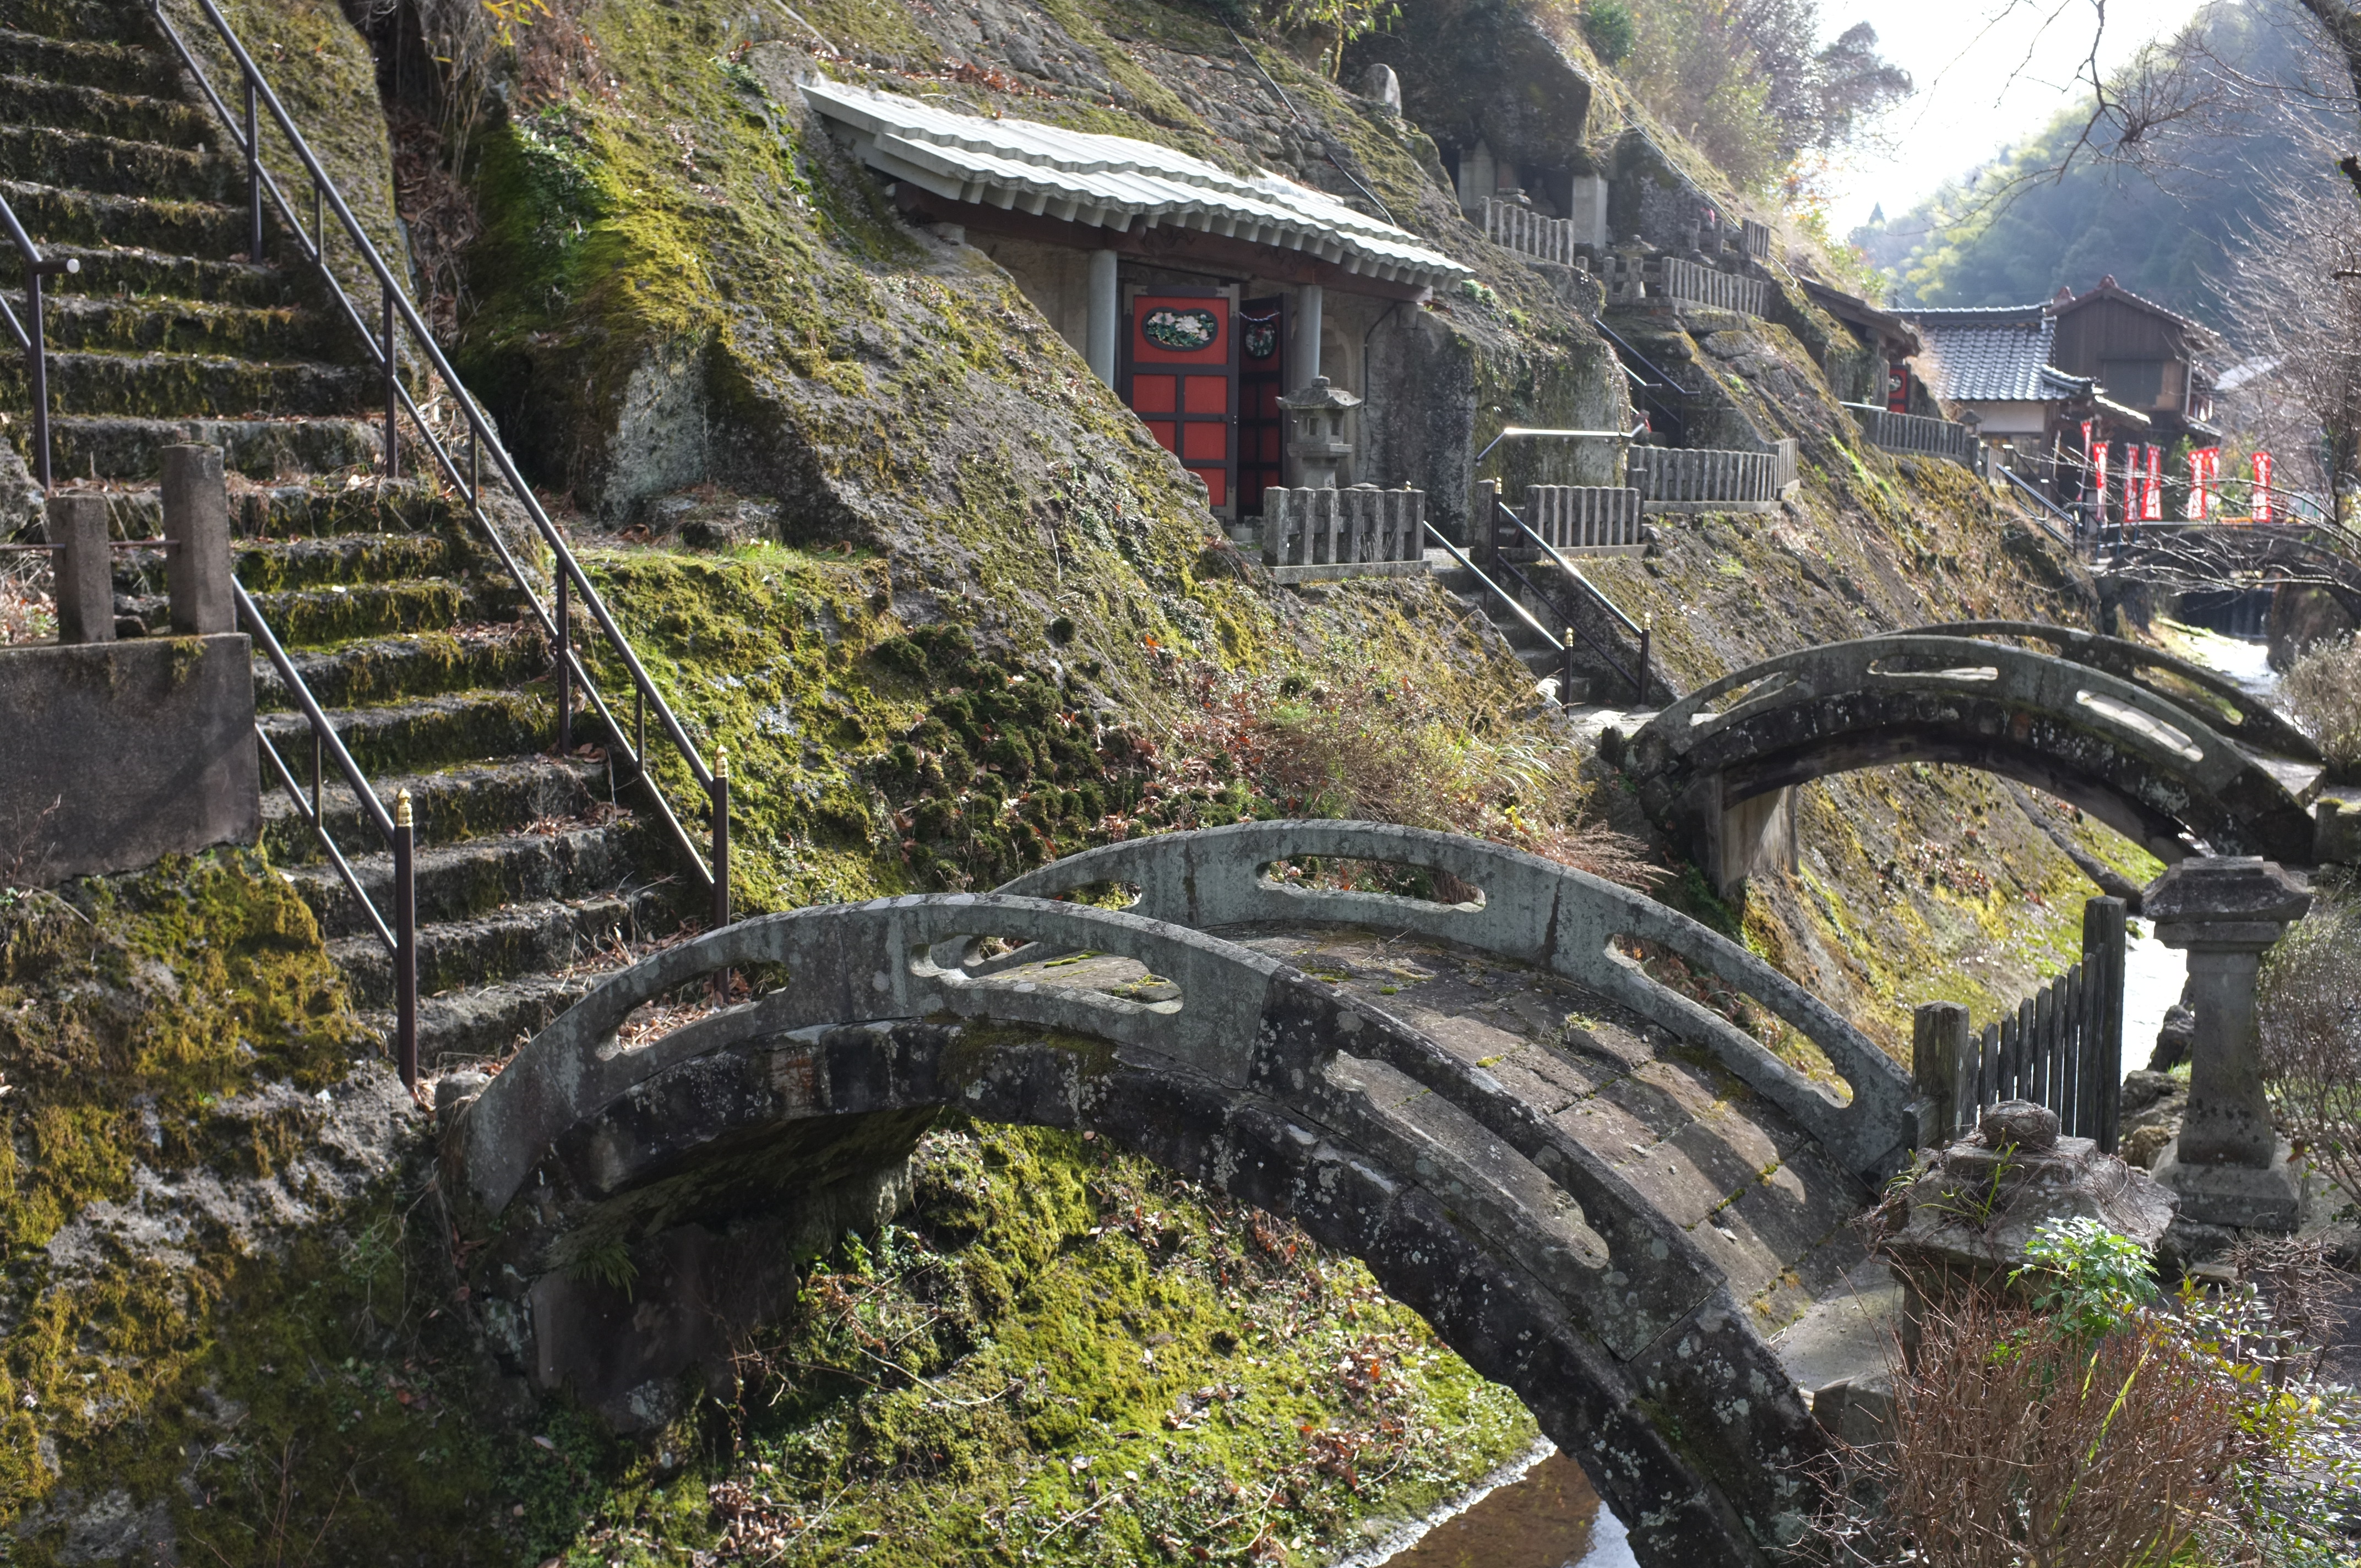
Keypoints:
pixel 402 809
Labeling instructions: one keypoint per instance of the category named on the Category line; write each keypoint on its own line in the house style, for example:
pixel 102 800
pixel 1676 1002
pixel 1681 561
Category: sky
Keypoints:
pixel 1962 54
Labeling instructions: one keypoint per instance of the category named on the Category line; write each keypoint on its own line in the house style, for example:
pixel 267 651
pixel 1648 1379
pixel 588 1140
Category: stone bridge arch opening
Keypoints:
pixel 1537 1260
pixel 2168 754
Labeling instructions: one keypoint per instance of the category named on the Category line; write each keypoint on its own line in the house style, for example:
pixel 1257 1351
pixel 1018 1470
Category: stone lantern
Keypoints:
pixel 2228 1165
pixel 1319 445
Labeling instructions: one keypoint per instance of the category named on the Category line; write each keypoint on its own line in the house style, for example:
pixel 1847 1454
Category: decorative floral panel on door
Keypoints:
pixel 1181 380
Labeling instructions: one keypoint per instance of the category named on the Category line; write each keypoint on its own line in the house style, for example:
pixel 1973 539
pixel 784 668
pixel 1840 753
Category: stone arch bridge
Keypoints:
pixel 2165 753
pixel 1601 1192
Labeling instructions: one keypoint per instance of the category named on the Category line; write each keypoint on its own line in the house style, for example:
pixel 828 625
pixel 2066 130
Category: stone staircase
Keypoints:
pixel 529 877
pixel 1592 676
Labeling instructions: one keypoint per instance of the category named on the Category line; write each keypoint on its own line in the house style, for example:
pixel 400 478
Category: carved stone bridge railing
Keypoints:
pixel 1357 532
pixel 2149 766
pixel 1529 1253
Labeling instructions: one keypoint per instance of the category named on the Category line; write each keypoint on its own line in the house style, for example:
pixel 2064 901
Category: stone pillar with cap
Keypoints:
pixel 1319 445
pixel 2230 1167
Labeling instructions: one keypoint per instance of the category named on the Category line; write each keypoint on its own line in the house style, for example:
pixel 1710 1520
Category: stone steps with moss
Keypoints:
pixel 488 1022
pixel 455 804
pixel 114 165
pixel 88 62
pixel 131 324
pixel 117 447
pixel 35 100
pixel 539 938
pixel 395 613
pixel 65 219
pixel 430 663
pixel 470 880
pixel 427 732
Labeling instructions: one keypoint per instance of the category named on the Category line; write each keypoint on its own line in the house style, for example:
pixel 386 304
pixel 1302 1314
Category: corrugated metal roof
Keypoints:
pixel 1995 356
pixel 1113 182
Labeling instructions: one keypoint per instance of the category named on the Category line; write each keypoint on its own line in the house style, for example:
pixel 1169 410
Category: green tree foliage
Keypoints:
pixel 1612 32
pixel 1336 22
pixel 1749 83
pixel 2014 230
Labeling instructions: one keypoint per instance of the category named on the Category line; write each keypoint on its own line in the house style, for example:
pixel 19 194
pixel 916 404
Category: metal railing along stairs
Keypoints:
pixel 27 332
pixel 1635 672
pixel 396 330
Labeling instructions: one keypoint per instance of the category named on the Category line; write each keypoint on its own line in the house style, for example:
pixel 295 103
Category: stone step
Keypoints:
pixel 111 67
pixel 460 804
pixel 351 562
pixel 59 216
pixel 430 663
pixel 430 732
pixel 27 99
pixel 308 511
pixel 193 386
pixel 466 881
pixel 70 19
pixel 171 280
pixel 151 324
pixel 485 1022
pixel 147 170
pixel 543 937
pixel 317 617
pixel 117 448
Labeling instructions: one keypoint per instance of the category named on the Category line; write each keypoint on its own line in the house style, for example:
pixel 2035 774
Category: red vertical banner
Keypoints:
pixel 2131 483
pixel 2098 471
pixel 2262 509
pixel 2195 510
pixel 2152 499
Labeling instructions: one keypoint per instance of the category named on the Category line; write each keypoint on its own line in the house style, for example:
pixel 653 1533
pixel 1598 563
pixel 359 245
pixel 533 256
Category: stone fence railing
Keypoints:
pixel 1756 237
pixel 1688 282
pixel 1578 518
pixel 2063 1050
pixel 1670 479
pixel 1336 532
pixel 1915 434
pixel 1513 227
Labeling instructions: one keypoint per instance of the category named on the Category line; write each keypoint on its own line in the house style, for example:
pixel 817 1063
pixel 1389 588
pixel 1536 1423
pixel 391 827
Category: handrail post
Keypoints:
pixel 253 180
pixel 40 375
pixel 405 944
pixel 392 394
pixel 565 666
pixel 721 857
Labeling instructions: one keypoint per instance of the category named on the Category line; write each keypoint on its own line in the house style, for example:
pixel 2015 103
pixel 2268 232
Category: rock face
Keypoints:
pixel 1963 1221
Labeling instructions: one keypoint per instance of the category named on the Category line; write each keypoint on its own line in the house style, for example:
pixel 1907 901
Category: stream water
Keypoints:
pixel 1541 1512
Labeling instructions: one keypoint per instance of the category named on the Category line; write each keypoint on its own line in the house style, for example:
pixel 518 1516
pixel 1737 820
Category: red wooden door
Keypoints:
pixel 1181 381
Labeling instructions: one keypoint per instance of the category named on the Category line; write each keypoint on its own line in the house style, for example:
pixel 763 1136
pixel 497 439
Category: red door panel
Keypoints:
pixel 1182 365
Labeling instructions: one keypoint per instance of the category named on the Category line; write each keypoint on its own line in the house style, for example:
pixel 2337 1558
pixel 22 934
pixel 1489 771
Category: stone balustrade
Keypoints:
pixel 1579 519
pixel 1360 531
pixel 1699 285
pixel 1671 479
pixel 1915 435
pixel 1522 229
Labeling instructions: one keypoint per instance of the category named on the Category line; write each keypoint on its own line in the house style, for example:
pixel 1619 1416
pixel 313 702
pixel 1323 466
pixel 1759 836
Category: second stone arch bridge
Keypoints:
pixel 1602 1193
pixel 2168 753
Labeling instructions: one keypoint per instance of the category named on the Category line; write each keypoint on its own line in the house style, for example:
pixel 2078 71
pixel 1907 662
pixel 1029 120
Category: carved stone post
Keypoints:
pixel 196 548
pixel 85 570
pixel 2228 1165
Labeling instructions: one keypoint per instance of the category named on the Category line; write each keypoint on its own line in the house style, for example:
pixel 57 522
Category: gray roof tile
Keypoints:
pixel 1997 355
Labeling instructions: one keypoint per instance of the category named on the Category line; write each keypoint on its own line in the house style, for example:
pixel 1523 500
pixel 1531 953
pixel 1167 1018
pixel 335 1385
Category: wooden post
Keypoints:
pixel 2103 980
pixel 1941 1054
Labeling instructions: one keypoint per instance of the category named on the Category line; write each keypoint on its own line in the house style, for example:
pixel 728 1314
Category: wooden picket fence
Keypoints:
pixel 1522 229
pixel 2064 1049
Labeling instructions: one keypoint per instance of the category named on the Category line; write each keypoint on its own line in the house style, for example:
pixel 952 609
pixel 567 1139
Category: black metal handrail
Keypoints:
pixel 2044 502
pixel 1638 674
pixel 27 332
pixel 399 319
pixel 399 935
pixel 1496 591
